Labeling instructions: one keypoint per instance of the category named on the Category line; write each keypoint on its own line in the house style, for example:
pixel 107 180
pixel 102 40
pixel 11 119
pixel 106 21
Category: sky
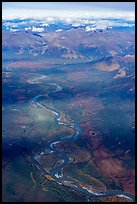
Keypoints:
pixel 41 9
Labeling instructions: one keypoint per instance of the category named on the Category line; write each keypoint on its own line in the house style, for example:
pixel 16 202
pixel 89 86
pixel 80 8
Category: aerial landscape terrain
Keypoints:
pixel 68 107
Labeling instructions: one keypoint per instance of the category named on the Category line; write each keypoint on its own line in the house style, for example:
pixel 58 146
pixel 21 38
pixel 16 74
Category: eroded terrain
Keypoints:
pixel 68 116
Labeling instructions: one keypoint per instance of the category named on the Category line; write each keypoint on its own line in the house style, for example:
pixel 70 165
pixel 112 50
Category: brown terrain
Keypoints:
pixel 121 73
pixel 111 167
pixel 26 64
pixel 109 68
pixel 107 163
pixel 114 199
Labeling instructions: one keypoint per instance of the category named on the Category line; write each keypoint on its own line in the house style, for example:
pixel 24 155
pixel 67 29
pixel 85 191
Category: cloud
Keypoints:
pixel 34 29
pixel 68 16
pixel 104 24
pixel 76 24
pixel 11 24
pixel 13 30
pixel 91 22
pixel 27 28
pixel 59 30
pixel 45 25
pixel 88 28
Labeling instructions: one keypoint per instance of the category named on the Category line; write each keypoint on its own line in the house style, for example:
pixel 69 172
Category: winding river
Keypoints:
pixel 56 172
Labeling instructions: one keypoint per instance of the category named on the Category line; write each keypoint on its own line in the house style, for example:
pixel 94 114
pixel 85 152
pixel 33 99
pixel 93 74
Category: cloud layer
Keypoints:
pixel 89 23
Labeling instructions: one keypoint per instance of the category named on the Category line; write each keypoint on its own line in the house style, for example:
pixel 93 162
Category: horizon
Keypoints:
pixel 11 10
